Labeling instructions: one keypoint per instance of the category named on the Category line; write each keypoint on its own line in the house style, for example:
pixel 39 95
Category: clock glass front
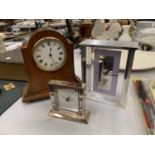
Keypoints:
pixel 49 54
pixel 68 99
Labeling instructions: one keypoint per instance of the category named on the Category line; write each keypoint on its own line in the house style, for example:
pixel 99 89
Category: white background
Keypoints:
pixel 76 145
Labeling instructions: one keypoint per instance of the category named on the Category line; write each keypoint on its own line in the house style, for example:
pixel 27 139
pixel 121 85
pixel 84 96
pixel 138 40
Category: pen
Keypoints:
pixel 147 100
pixel 149 103
pixel 142 99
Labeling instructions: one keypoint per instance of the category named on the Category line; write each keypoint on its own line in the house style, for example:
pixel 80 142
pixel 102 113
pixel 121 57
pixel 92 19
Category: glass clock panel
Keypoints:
pixel 49 54
pixel 68 99
pixel 106 69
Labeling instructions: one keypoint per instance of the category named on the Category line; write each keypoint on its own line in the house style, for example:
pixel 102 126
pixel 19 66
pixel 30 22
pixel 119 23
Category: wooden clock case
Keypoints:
pixel 37 85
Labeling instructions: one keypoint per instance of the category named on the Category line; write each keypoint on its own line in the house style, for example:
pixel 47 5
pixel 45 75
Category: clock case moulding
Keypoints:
pixel 37 86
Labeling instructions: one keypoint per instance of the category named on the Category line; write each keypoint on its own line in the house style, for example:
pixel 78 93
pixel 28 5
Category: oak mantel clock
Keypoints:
pixel 47 55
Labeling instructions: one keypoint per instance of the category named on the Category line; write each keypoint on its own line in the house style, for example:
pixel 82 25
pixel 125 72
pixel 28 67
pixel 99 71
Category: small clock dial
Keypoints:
pixel 49 54
pixel 68 99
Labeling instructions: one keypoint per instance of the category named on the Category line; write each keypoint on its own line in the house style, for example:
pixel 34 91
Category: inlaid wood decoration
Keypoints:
pixel 47 55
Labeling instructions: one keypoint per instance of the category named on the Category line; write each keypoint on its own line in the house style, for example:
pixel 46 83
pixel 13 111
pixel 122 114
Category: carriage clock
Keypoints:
pixel 47 55
pixel 68 101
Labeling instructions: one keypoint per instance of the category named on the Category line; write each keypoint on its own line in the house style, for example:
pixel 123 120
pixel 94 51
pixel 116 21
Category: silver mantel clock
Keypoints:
pixel 100 64
pixel 68 100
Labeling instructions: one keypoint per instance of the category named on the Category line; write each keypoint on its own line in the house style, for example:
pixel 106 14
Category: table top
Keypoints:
pixel 32 119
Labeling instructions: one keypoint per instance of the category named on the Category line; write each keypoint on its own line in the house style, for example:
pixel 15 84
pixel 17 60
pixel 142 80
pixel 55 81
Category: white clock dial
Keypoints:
pixel 68 99
pixel 49 54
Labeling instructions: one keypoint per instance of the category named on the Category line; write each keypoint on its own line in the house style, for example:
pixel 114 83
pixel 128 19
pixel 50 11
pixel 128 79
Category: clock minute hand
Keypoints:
pixel 68 99
pixel 63 97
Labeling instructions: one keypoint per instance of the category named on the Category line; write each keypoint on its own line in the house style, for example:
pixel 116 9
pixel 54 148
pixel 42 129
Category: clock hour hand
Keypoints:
pixel 50 49
pixel 68 99
pixel 50 55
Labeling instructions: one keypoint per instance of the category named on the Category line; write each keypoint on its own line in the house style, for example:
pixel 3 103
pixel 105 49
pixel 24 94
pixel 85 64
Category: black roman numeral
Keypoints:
pixel 41 60
pixel 58 48
pixel 43 45
pixel 60 53
pixel 48 43
pixel 60 58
